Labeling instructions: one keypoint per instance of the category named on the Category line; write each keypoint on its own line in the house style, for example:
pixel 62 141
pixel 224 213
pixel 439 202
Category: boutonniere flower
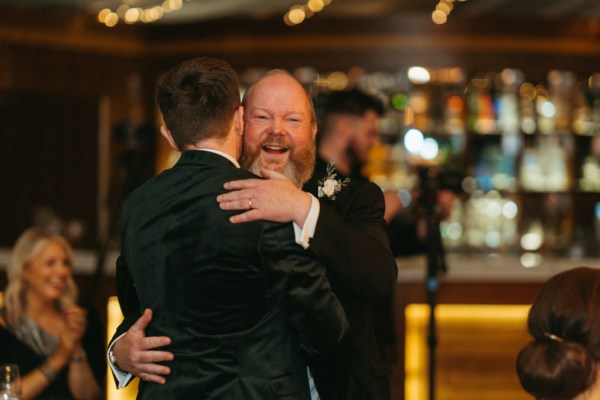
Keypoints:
pixel 330 184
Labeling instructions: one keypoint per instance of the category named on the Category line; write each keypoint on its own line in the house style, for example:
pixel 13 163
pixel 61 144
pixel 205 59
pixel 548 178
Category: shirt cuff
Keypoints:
pixel 304 234
pixel 123 377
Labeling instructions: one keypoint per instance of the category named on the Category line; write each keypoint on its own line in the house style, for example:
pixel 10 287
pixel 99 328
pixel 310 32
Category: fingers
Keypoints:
pixel 139 356
pixel 271 174
pixel 237 195
pixel 143 321
pixel 154 342
pixel 76 322
pixel 150 377
pixel 239 204
pixel 241 184
pixel 75 311
pixel 248 216
pixel 152 372
pixel 74 315
pixel 77 327
pixel 146 365
pixel 151 358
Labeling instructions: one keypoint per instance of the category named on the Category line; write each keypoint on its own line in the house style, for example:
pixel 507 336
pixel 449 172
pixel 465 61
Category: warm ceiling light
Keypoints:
pixel 286 19
pixel 102 14
pixel 111 19
pixel 439 17
pixel 133 15
pixel 315 5
pixel 296 15
pixel 175 5
pixel 442 11
pixel 150 15
pixel 444 7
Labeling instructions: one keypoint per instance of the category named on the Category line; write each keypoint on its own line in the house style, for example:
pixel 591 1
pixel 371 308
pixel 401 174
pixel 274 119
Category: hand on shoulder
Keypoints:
pixel 275 198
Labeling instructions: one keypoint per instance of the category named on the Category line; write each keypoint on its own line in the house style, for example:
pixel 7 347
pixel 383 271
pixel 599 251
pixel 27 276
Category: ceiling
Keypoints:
pixel 202 10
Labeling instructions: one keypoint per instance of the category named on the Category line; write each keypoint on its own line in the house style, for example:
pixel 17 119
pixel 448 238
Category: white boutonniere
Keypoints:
pixel 330 185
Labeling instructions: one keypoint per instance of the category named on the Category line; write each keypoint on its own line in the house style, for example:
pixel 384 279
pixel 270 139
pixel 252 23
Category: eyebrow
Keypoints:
pixel 287 112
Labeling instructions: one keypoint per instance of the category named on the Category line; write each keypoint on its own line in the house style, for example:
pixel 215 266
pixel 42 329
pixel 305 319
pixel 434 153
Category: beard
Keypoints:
pixel 298 168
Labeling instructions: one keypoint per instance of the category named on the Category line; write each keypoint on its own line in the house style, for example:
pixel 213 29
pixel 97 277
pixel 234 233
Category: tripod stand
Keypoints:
pixel 436 263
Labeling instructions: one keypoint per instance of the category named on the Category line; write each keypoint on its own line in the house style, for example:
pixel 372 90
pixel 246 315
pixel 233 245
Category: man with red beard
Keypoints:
pixel 339 221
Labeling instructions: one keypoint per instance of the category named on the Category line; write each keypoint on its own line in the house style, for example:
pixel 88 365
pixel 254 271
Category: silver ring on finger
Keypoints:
pixel 143 376
pixel 249 204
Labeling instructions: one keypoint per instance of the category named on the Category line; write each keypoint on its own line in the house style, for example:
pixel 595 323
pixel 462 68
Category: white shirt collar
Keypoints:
pixel 227 156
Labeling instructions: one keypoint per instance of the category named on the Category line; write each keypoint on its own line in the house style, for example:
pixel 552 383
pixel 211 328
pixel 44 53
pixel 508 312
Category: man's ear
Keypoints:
pixel 166 133
pixel 238 120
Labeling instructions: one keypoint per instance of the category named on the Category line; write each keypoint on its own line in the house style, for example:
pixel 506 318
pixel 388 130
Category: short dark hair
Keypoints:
pixel 197 100
pixel 353 102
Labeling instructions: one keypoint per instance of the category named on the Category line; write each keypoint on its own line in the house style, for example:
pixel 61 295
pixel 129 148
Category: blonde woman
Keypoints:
pixel 41 327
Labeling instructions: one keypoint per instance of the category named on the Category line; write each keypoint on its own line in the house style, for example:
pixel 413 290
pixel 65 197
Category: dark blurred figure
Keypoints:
pixel 348 130
pixel 407 225
pixel 135 142
pixel 348 133
pixel 135 161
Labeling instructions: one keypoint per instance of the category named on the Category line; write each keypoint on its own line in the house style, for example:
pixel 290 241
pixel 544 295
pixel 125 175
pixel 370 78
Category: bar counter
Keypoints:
pixel 481 309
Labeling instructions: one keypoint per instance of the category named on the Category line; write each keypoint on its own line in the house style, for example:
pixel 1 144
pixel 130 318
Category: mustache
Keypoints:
pixel 280 141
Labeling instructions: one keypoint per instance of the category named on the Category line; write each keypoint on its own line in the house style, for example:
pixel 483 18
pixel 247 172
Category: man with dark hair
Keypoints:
pixel 244 307
pixel 349 130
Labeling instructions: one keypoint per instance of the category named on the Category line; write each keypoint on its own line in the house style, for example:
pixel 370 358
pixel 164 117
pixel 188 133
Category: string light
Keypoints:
pixel 133 15
pixel 299 13
pixel 442 10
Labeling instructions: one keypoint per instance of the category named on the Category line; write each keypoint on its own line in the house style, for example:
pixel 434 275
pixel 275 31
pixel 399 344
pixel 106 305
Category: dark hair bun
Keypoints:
pixel 554 370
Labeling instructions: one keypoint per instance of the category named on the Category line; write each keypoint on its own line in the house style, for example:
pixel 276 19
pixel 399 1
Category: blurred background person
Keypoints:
pixel 407 224
pixel 42 330
pixel 562 361
pixel 348 132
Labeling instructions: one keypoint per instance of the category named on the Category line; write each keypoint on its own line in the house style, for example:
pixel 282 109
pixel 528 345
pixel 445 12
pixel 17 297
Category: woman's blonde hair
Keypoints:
pixel 27 247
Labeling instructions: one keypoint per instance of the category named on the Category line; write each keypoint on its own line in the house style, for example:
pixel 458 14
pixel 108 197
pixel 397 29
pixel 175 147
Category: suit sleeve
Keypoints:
pixel 128 301
pixel 313 310
pixel 300 281
pixel 356 248
pixel 126 292
pixel 130 308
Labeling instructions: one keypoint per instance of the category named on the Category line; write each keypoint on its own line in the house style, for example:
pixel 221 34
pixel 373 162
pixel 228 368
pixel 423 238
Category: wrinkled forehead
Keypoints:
pixel 279 90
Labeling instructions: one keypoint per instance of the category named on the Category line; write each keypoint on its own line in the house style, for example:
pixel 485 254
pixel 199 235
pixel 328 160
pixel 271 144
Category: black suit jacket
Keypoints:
pixel 351 239
pixel 243 304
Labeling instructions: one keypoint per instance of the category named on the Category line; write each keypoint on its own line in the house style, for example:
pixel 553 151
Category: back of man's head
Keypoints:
pixel 197 99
